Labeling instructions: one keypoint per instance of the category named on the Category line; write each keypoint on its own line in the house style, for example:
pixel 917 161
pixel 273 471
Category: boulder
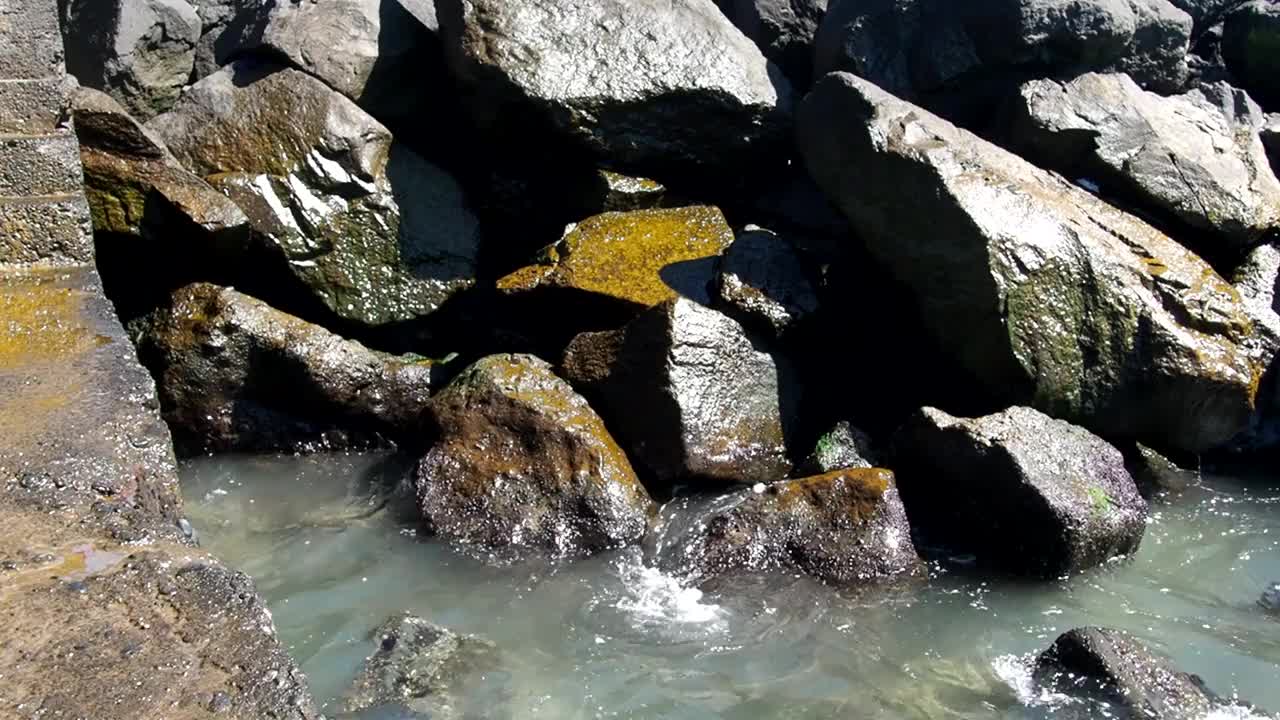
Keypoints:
pixel 689 395
pixel 1270 134
pixel 765 283
pixel 1156 474
pixel 139 52
pixel 1020 490
pixel 375 232
pixel 1257 279
pixel 215 16
pixel 1251 48
pixel 609 77
pixel 784 31
pixel 522 460
pixel 236 375
pixel 1206 13
pixel 842 447
pixel 1192 160
pixel 1046 294
pixel 419 666
pixel 843 527
pixel 1110 666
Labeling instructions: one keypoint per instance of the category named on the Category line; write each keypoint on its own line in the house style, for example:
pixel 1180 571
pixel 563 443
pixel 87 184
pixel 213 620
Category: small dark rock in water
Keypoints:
pixel 1270 600
pixel 842 527
pixel 843 446
pixel 1154 473
pixel 1111 666
pixel 1019 489
pixel 522 460
pixel 765 284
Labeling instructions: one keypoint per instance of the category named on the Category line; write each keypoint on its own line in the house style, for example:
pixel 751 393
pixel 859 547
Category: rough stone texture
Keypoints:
pixel 844 527
pixel 1187 158
pixel 630 259
pixel 1020 490
pixel 1046 294
pixel 843 446
pixel 522 460
pixel 607 191
pixel 140 52
pixel 31 106
pixel 1112 666
pixel 44 164
pixel 783 30
pixel 1206 13
pixel 1156 474
pixel 611 77
pixel 419 666
pixel 55 229
pixel 215 16
pixel 689 395
pixel 378 234
pixel 30 40
pixel 237 375
pixel 764 283
pixel 136 187
pixel 1258 279
pixel 1251 48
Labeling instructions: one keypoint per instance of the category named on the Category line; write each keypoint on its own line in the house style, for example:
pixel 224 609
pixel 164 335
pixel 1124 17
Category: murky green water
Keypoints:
pixel 609 637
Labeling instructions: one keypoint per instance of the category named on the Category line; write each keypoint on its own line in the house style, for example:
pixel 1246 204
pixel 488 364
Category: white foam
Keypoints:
pixel 654 596
pixel 1015 671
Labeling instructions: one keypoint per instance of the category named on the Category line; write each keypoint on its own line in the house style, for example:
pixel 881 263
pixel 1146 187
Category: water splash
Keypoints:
pixel 653 597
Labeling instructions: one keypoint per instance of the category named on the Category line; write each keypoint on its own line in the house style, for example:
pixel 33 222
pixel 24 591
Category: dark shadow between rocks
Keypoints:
pixel 692 278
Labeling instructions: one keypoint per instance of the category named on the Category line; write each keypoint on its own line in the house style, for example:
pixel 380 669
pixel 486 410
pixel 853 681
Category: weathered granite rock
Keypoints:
pixel 689 395
pixel 611 77
pixel 1207 13
pixel 843 527
pixel 765 283
pixel 522 460
pixel 1190 159
pixel 784 31
pixel 1111 666
pixel 215 16
pixel 1018 489
pixel 420 667
pixel 842 447
pixel 237 375
pixel 140 52
pixel 1251 48
pixel 1258 279
pixel 375 232
pixel 1045 293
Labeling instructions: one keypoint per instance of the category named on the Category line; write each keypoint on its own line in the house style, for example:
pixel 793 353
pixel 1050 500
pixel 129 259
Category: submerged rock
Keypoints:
pixel 1270 600
pixel 1195 158
pixel 1020 490
pixel 689 395
pixel 843 446
pixel 783 29
pixel 1155 474
pixel 522 460
pixel 1102 664
pixel 610 76
pixel 764 283
pixel 236 375
pixel 375 232
pixel 140 52
pixel 1046 294
pixel 1251 47
pixel 842 527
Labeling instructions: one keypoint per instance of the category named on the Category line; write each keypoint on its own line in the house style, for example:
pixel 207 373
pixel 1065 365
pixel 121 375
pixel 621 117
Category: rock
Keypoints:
pixel 842 447
pixel 1044 293
pixel 522 460
pixel 784 31
pixel 237 375
pixel 1251 48
pixel 764 283
pixel 1270 600
pixel 215 16
pixel 136 187
pixel 631 260
pixel 139 52
pixel 1156 474
pixel 1257 279
pixel 607 191
pixel 843 527
pixel 1192 160
pixel 610 76
pixel 1112 666
pixel 958 59
pixel 689 395
pixel 1270 134
pixel 1020 490
pixel 375 232
pixel 419 666
pixel 1206 13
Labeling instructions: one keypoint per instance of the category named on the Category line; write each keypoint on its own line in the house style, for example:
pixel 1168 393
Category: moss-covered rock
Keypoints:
pixel 842 447
pixel 522 460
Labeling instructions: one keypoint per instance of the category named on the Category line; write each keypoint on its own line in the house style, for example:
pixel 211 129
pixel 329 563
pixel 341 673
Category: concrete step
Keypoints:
pixel 30 41
pixel 30 106
pixel 40 164
pixel 53 228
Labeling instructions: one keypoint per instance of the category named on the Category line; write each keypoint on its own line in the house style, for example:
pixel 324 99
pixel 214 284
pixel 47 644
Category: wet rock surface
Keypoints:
pixel 521 460
pixel 1051 296
pixel 235 374
pixel 765 283
pixel 689 395
pixel 1195 158
pixel 1022 491
pixel 845 527
pixel 843 446
pixel 1270 600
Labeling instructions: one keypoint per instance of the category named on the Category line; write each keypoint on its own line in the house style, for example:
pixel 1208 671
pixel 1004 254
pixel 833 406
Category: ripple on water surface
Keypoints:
pixel 610 637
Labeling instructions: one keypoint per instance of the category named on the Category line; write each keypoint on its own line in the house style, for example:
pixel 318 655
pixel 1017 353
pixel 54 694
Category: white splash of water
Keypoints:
pixel 1015 671
pixel 653 596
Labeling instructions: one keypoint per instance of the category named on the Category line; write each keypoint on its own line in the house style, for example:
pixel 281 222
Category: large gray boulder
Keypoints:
pixel 234 374
pixel 689 395
pixel 375 232
pixel 648 85
pixel 1257 279
pixel 783 29
pixel 1046 294
pixel 1251 48
pixel 140 52
pixel 520 459
pixel 1021 491
pixel 1195 160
